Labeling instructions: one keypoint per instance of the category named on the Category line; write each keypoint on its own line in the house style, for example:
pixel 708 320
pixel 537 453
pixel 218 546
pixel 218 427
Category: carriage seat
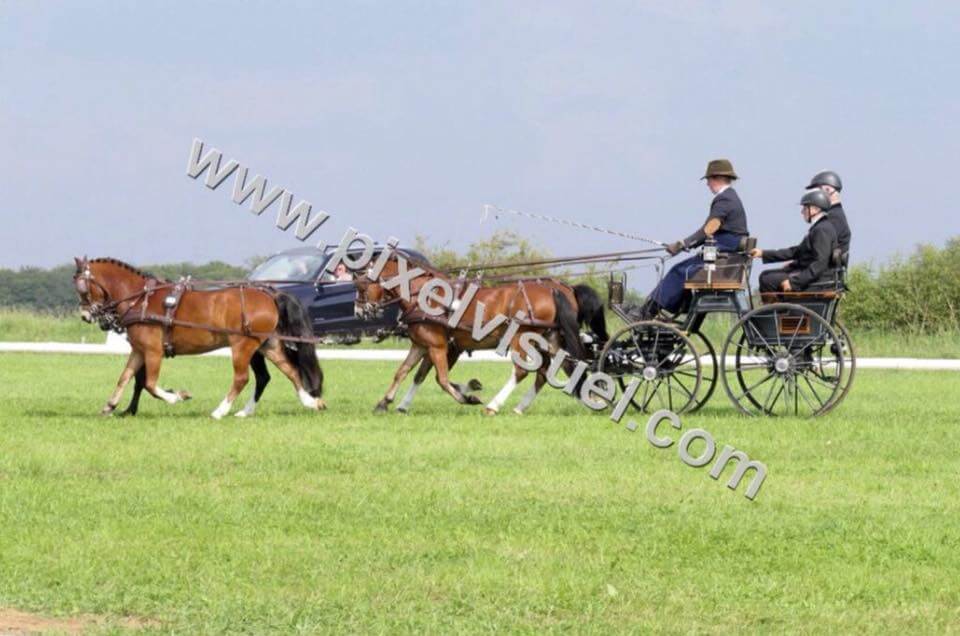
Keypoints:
pixel 831 284
pixel 732 273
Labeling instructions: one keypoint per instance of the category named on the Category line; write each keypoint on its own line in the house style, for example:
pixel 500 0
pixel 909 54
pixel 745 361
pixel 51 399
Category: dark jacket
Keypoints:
pixel 728 208
pixel 811 258
pixel 838 218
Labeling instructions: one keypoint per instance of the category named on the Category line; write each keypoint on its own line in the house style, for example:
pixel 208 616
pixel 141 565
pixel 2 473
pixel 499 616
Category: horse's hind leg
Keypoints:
pixel 531 394
pixel 243 349
pixel 134 365
pixel 516 377
pixel 261 377
pixel 274 352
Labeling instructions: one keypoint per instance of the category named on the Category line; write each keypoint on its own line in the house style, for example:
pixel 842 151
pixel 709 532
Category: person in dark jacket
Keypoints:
pixel 810 260
pixel 726 223
pixel 829 182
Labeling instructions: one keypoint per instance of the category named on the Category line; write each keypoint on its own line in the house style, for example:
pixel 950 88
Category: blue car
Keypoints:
pixel 329 301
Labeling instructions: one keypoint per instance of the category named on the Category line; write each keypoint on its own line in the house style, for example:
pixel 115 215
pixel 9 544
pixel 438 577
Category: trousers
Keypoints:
pixel 669 291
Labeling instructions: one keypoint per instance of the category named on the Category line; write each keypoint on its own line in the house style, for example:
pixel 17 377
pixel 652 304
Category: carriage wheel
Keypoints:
pixel 827 369
pixel 661 358
pixel 709 373
pixel 779 360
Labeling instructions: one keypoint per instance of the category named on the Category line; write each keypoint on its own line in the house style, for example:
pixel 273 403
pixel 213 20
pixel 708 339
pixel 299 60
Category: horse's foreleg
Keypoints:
pixel 261 377
pixel 438 355
pixel 139 379
pixel 243 350
pixel 516 377
pixel 425 366
pixel 413 357
pixel 134 363
pixel 152 359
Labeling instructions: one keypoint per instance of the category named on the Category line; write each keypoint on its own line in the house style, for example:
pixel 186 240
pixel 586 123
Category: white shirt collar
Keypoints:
pixel 720 191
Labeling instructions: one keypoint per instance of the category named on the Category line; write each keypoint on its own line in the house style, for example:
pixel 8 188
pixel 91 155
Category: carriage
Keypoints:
pixel 787 355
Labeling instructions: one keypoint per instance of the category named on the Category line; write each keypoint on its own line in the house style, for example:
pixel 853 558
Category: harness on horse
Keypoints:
pixel 170 303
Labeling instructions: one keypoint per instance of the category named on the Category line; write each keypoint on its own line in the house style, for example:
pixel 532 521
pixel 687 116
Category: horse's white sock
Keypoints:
pixel 248 408
pixel 167 396
pixel 408 398
pixel 306 399
pixel 504 393
pixel 526 401
pixel 222 410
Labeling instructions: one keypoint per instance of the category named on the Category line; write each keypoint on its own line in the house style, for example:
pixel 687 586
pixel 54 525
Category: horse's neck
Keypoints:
pixel 121 282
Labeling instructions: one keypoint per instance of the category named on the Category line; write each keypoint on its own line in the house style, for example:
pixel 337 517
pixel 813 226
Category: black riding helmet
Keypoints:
pixel 826 178
pixel 817 198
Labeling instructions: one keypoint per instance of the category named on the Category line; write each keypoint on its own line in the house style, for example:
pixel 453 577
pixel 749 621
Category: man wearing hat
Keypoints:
pixel 726 223
pixel 829 182
pixel 811 258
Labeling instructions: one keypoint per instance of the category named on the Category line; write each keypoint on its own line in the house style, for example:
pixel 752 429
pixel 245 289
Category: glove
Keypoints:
pixel 675 248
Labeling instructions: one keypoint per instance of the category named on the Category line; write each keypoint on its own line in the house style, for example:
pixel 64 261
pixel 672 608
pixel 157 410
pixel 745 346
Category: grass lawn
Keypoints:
pixel 446 521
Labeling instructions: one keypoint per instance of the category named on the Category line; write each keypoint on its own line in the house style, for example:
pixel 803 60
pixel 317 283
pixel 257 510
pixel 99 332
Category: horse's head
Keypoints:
pixel 370 295
pixel 101 285
pixel 91 293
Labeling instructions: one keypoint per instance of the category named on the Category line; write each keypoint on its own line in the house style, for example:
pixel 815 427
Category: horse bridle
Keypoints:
pixel 105 312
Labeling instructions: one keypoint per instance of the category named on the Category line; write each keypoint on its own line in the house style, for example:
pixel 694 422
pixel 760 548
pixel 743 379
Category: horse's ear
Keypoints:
pixel 78 262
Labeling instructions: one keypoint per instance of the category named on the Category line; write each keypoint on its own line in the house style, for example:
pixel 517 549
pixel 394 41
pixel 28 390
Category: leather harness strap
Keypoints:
pixel 170 304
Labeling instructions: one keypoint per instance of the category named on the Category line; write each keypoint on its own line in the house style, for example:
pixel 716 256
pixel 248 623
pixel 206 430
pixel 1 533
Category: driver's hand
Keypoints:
pixel 785 285
pixel 675 248
pixel 756 253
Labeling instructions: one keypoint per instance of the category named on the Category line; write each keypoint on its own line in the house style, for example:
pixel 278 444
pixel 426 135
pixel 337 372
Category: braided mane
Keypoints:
pixel 126 266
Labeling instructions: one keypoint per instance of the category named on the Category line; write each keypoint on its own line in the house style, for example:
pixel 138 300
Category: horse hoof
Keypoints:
pixel 240 414
pixel 216 416
pixel 184 395
pixel 474 384
pixel 489 411
pixel 380 408
pixel 402 410
pixel 107 410
pixel 518 411
pixel 321 405
pixel 473 399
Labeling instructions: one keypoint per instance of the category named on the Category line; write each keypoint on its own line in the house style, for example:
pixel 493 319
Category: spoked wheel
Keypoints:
pixel 663 361
pixel 779 359
pixel 826 366
pixel 709 373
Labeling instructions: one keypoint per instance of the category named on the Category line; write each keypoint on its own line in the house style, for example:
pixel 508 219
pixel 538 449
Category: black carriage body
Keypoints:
pixel 788 350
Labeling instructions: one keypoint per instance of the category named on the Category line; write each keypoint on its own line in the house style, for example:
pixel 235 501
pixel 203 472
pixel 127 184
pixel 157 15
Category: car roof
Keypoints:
pixel 329 250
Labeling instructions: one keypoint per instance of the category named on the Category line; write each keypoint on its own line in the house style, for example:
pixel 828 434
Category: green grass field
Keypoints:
pixel 447 521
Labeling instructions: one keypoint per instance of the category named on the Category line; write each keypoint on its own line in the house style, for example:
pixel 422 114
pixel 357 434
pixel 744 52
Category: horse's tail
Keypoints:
pixel 294 321
pixel 567 325
pixel 590 310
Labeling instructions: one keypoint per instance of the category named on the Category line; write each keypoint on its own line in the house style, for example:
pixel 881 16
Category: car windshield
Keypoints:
pixel 293 267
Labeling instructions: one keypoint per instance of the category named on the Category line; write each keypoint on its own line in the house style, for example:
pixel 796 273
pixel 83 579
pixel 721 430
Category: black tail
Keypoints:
pixel 590 310
pixel 568 326
pixel 294 321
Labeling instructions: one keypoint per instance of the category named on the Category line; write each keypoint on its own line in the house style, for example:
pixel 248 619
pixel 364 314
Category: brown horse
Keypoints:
pixel 549 308
pixel 163 317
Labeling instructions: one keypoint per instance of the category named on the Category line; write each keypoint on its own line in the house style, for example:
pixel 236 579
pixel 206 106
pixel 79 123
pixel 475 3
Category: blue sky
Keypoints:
pixel 402 118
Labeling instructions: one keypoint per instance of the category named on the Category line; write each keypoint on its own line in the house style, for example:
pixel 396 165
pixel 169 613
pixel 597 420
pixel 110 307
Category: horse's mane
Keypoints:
pixel 126 266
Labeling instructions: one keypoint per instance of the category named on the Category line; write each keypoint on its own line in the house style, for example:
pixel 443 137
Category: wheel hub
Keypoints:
pixel 649 373
pixel 782 365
